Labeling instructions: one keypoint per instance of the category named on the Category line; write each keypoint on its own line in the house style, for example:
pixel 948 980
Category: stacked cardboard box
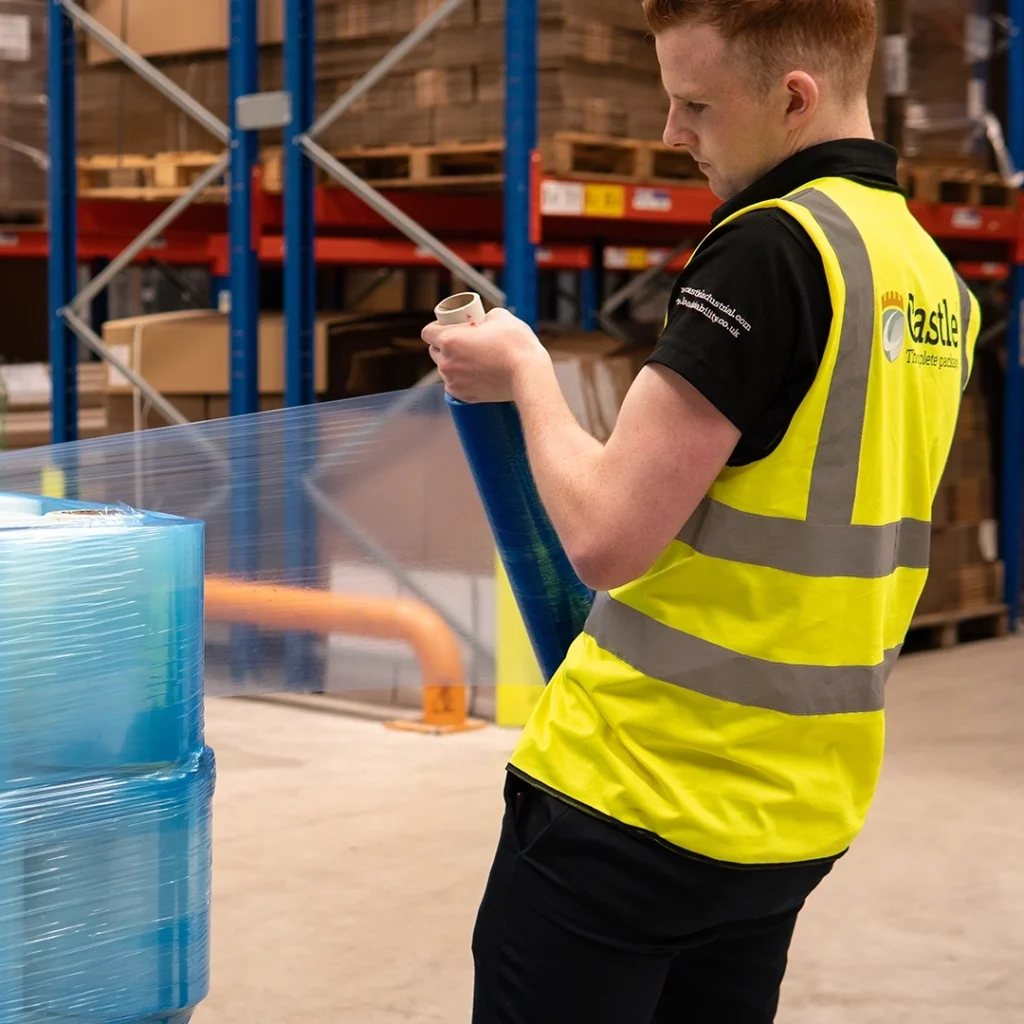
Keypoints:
pixel 25 404
pixel 965 571
pixel 23 120
pixel 185 357
pixel 118 112
pixel 598 72
pixel 945 37
pixel 595 372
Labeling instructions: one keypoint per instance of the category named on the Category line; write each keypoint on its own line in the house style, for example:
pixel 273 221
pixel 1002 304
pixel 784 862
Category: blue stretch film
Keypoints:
pixel 553 601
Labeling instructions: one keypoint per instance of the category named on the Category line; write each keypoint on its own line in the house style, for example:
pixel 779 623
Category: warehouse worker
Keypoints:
pixel 758 530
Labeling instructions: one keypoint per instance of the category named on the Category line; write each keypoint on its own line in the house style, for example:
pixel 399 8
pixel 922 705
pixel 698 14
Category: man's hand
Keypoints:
pixel 480 362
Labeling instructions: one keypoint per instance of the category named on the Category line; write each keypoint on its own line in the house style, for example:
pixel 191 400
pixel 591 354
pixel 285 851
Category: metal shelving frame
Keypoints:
pixel 1012 539
pixel 235 259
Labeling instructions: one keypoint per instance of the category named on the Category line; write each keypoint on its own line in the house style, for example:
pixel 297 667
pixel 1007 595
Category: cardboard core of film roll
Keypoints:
pixel 464 308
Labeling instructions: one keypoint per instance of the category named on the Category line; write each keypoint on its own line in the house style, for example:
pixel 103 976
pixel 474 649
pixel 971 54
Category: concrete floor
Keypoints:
pixel 349 861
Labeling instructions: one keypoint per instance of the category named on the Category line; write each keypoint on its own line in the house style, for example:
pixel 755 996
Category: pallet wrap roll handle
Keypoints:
pixel 553 601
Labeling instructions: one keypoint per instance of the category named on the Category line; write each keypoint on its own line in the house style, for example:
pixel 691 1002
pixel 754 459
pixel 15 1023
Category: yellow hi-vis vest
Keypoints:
pixel 730 701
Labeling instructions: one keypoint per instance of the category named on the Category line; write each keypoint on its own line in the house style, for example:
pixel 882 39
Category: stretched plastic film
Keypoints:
pixel 105 779
pixel 368 500
pixel 553 602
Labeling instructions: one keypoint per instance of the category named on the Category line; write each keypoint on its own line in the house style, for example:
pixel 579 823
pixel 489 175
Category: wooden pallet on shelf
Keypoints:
pixel 947 629
pixel 966 186
pixel 447 165
pixel 164 176
pixel 572 154
pixel 481 164
pixel 19 216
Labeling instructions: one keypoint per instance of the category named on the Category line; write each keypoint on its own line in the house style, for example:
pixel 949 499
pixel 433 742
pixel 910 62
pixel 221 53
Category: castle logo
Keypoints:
pixel 894 325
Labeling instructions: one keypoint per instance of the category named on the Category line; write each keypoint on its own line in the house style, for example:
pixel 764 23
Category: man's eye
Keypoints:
pixel 697 108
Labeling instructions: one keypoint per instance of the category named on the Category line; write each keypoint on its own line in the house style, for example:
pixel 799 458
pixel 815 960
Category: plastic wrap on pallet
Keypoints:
pixel 23 109
pixel 105 779
pixel 552 600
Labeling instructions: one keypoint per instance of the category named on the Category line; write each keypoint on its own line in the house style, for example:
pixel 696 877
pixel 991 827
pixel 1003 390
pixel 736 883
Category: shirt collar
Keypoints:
pixel 864 160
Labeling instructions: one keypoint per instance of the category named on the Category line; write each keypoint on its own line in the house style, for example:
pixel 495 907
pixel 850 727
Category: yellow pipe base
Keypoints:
pixel 427 729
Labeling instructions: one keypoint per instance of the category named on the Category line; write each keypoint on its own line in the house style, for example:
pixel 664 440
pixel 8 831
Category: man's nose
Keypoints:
pixel 678 136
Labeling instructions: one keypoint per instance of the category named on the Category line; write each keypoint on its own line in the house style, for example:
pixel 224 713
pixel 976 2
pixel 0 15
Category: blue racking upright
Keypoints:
pixel 1013 469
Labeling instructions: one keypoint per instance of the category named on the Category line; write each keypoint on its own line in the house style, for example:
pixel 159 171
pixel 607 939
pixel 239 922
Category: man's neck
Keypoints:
pixel 845 124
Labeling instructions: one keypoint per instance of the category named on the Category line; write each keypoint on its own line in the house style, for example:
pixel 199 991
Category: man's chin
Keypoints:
pixel 718 187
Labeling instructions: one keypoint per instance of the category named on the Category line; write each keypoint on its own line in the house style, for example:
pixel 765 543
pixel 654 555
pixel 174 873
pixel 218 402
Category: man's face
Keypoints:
pixel 733 129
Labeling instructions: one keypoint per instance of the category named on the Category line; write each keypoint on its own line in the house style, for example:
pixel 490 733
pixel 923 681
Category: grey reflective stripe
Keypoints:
pixel 809 549
pixel 686 661
pixel 836 461
pixel 965 328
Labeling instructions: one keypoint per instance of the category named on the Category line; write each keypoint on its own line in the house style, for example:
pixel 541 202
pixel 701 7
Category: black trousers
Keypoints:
pixel 584 922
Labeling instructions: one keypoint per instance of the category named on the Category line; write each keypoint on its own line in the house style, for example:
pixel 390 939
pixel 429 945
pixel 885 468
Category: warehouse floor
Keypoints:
pixel 349 861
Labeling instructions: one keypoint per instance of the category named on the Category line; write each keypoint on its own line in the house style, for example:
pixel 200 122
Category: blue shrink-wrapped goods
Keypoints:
pixel 106 783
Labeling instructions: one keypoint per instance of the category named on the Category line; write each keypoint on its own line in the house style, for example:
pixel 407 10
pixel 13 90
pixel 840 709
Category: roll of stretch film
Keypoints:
pixel 554 603
pixel 106 782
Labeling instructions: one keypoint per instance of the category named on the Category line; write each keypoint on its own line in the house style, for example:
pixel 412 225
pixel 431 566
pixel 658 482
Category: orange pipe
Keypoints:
pixel 321 611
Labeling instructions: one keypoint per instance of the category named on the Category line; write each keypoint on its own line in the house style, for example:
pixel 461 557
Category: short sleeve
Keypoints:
pixel 748 323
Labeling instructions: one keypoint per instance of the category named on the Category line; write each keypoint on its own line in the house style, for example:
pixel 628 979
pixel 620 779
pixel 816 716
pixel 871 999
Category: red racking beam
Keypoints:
pixel 574 211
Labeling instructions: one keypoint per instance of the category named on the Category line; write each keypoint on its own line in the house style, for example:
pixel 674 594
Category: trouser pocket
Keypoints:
pixel 532 814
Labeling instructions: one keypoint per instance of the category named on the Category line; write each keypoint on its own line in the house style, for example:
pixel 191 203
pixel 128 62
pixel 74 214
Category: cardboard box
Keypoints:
pixel 940 118
pixel 954 547
pixel 617 13
pixel 971 500
pixel 26 391
pixel 128 413
pixel 971 458
pixel 972 422
pixel 219 406
pixel 161 28
pixel 27 387
pixel 359 19
pixel 595 374
pixel 979 585
pixel 187 353
pixel 23 63
pixel 970 586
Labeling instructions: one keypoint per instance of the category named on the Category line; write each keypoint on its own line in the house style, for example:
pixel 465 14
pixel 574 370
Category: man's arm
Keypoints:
pixel 617 506
pixel 748 320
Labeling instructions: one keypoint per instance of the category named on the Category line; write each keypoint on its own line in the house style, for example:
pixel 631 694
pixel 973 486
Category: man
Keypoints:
pixel 758 529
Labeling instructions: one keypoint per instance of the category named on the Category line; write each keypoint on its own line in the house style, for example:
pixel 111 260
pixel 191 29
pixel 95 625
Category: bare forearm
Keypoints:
pixel 565 459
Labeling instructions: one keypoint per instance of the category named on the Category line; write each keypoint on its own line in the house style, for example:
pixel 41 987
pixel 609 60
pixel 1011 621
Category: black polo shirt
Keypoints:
pixel 750 316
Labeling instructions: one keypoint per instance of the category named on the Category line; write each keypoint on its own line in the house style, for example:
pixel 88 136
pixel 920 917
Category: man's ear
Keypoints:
pixel 803 95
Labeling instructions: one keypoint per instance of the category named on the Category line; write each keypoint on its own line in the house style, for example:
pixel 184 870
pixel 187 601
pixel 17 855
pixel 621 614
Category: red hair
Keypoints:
pixel 837 36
